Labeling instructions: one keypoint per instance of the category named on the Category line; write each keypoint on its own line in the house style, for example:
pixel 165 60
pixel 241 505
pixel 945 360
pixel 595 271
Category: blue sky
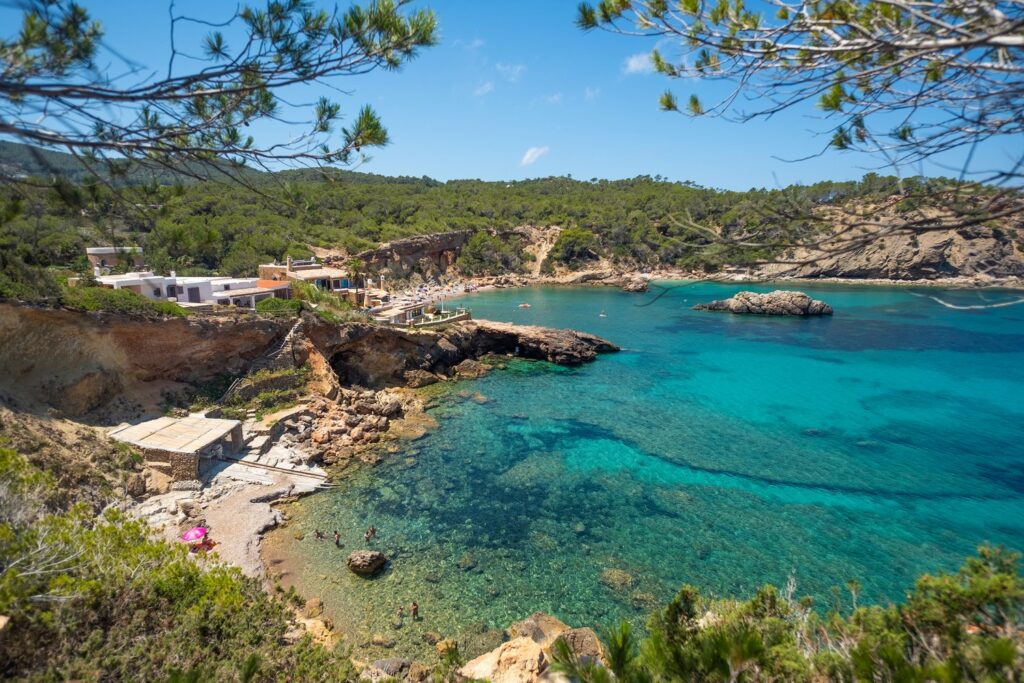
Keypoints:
pixel 514 90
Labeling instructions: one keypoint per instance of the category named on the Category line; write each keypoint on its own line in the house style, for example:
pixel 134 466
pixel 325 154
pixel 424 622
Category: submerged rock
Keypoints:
pixel 771 303
pixel 314 608
pixel 467 562
pixel 386 670
pixel 616 579
pixel 366 562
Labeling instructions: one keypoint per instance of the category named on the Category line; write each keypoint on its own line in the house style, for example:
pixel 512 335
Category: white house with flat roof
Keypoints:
pixel 196 289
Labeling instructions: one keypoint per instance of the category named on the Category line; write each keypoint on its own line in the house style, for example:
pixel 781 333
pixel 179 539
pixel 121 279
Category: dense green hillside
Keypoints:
pixel 229 228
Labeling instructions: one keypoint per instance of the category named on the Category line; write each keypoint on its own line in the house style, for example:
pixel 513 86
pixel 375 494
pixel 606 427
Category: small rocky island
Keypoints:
pixel 771 303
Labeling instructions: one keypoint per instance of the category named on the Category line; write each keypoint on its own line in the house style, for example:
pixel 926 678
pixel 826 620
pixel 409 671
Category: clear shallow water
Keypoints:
pixel 724 451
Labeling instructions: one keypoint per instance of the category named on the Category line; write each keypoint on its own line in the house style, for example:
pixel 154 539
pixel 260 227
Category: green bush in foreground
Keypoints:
pixel 953 627
pixel 117 301
pixel 100 599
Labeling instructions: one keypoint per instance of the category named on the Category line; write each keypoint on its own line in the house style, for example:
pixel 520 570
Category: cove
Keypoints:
pixel 722 451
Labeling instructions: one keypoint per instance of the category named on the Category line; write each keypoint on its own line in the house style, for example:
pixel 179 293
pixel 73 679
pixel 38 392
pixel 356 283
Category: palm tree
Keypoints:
pixel 355 271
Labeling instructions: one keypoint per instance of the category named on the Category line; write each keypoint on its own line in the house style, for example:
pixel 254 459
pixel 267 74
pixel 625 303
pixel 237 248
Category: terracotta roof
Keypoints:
pixel 272 284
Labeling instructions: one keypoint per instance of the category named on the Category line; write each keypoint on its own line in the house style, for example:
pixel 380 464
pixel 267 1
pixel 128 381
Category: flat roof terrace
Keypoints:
pixel 180 434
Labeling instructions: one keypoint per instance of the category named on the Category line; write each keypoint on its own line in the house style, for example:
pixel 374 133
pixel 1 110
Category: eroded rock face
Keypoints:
pixel 81 362
pixel 366 562
pixel 400 258
pixel 979 252
pixel 378 356
pixel 91 363
pixel 771 303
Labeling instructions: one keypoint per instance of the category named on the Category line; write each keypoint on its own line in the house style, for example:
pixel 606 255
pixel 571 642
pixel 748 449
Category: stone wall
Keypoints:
pixel 177 466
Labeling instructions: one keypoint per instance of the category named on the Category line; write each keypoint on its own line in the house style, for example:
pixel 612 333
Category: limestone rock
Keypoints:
pixel 982 253
pixel 637 285
pixel 314 608
pixel 470 369
pixel 420 378
pixel 772 303
pixel 584 643
pixel 366 562
pixel 135 485
pixel 520 660
pixel 539 627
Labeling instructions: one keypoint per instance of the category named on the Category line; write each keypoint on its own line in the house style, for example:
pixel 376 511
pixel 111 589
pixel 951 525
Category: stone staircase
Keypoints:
pixel 278 357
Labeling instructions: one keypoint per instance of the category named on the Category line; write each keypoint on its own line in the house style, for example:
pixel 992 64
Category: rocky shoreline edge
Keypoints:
pixel 639 280
pixel 362 378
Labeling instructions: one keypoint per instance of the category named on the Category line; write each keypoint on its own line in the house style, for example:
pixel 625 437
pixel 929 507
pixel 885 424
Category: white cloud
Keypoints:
pixel 510 72
pixel 554 99
pixel 640 63
pixel 590 94
pixel 483 89
pixel 533 154
pixel 471 45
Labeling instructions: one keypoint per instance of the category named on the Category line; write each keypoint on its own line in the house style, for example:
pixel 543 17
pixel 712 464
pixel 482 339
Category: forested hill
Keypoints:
pixel 19 161
pixel 209 227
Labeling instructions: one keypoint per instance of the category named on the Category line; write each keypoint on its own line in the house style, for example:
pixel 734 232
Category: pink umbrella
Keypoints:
pixel 194 534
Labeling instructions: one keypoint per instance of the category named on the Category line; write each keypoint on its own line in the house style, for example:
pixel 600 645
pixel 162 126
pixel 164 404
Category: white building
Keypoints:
pixel 196 290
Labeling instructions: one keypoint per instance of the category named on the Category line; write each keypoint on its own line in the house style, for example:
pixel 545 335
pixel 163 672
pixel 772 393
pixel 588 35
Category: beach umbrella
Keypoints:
pixel 194 534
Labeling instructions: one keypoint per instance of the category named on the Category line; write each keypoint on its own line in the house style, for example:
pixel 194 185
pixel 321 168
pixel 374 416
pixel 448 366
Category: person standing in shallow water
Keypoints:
pixel 415 609
pixel 337 539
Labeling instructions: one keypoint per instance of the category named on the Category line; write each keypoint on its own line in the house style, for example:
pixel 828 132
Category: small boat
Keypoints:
pixel 602 314
pixel 524 305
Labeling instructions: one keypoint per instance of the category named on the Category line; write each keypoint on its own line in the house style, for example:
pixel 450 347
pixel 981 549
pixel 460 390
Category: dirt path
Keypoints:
pixel 541 241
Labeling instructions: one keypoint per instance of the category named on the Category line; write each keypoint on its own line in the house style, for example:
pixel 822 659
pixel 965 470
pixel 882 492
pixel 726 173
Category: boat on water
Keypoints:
pixel 524 305
pixel 602 314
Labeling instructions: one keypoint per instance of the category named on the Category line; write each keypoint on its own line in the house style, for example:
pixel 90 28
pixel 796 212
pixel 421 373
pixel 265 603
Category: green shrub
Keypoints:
pixel 953 627
pixel 485 254
pixel 117 301
pixel 574 245
pixel 277 306
pixel 99 598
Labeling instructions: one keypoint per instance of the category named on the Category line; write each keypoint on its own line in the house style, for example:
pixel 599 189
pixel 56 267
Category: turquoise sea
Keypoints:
pixel 718 450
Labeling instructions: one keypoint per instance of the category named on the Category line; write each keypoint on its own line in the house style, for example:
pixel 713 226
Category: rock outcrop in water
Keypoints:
pixel 366 562
pixel 771 303
pixel 375 356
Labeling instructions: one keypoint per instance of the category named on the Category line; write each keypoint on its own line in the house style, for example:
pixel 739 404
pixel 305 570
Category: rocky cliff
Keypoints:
pixel 108 365
pixel 376 356
pixel 431 253
pixel 78 362
pixel 870 245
